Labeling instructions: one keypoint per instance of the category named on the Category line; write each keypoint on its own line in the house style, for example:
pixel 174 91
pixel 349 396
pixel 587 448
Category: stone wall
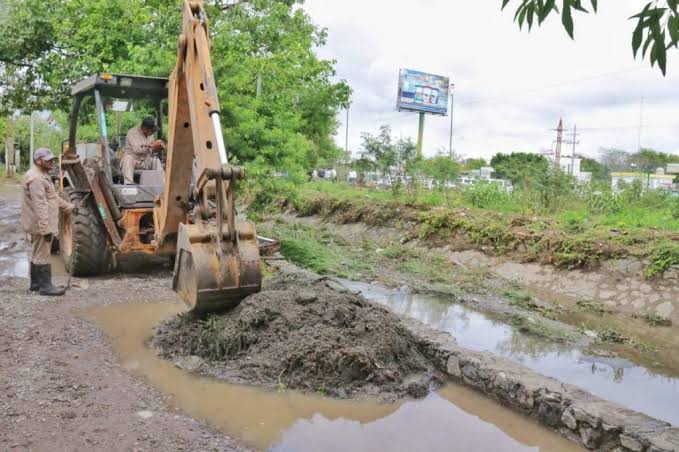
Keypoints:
pixel 592 422
pixel 618 283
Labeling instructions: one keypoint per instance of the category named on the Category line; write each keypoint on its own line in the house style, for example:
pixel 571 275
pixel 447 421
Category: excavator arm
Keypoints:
pixel 217 260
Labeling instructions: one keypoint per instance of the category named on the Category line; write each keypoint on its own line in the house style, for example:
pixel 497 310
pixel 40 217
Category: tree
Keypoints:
pixel 474 164
pixel 380 149
pixel 47 45
pixel 599 172
pixel 615 159
pixel 649 159
pixel 440 168
pixel 520 167
pixel 657 23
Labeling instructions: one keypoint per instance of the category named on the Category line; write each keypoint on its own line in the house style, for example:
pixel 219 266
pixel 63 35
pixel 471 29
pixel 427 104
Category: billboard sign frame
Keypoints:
pixel 423 92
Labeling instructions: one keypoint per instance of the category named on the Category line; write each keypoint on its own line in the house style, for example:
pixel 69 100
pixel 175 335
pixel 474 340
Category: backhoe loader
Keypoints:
pixel 186 210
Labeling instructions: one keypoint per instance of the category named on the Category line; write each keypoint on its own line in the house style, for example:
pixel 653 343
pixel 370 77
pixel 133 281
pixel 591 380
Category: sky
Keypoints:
pixel 511 86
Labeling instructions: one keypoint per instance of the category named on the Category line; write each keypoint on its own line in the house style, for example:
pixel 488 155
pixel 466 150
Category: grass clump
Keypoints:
pixel 539 328
pixel 524 300
pixel 664 255
pixel 655 320
pixel 613 336
pixel 594 307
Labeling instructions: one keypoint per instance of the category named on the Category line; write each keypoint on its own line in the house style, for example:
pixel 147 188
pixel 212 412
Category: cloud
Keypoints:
pixel 511 86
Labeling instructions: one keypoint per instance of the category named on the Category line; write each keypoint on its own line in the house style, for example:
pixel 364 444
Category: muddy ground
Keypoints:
pixel 301 332
pixel 388 255
pixel 60 385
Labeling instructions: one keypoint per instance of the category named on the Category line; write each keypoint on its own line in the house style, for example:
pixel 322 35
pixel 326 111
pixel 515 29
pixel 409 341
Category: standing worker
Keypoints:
pixel 139 148
pixel 40 218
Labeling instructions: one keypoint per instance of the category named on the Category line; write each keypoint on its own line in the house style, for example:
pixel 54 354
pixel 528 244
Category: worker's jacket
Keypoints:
pixel 40 204
pixel 138 145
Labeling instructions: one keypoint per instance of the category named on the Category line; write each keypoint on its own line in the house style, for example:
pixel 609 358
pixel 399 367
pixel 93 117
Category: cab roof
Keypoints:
pixel 122 86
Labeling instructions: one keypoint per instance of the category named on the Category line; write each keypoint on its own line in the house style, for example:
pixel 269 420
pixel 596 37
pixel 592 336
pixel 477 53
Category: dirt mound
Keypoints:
pixel 300 332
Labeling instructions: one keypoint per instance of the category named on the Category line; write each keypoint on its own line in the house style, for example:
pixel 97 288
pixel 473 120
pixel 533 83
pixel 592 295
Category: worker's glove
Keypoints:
pixel 48 237
pixel 157 145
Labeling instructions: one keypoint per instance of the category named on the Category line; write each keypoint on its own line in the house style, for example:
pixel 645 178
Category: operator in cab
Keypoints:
pixel 140 149
pixel 40 219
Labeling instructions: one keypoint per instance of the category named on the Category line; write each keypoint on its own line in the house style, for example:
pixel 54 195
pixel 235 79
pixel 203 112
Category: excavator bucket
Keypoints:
pixel 211 274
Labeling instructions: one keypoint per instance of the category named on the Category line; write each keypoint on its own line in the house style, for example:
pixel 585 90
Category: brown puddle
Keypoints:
pixel 454 419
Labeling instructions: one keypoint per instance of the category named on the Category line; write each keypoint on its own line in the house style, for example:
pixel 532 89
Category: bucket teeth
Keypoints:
pixel 211 279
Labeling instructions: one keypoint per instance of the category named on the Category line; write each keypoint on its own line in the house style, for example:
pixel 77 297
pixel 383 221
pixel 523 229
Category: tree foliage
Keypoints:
pixel 386 152
pixel 657 28
pixel 599 171
pixel 47 45
pixel 519 167
pixel 441 168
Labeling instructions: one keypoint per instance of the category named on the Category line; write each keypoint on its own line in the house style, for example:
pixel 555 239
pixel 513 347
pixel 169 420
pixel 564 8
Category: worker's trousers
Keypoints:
pixel 131 162
pixel 40 249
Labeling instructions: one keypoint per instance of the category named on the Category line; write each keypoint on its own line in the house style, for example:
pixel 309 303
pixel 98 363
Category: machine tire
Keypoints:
pixel 83 238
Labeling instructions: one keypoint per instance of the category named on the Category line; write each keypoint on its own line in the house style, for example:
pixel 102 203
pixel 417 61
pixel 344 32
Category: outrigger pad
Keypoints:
pixel 208 280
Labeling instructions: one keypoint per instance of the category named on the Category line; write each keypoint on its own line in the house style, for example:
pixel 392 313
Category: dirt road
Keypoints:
pixel 60 385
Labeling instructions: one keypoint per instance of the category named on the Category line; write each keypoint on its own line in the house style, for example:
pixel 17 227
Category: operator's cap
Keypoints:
pixel 150 123
pixel 43 153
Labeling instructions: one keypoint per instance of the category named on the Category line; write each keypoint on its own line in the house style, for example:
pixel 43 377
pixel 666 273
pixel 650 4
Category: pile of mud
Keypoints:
pixel 302 333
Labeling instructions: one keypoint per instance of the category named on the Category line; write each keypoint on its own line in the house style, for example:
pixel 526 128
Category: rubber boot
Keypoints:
pixel 35 280
pixel 45 280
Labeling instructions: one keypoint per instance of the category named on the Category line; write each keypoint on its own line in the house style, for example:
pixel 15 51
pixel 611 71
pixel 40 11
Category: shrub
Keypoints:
pixel 484 196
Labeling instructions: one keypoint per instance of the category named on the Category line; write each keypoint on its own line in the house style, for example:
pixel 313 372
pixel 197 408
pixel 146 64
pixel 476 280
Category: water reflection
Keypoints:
pixel 613 379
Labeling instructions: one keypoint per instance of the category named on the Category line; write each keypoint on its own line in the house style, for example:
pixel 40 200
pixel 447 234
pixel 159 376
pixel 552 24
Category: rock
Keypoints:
pixel 630 443
pixel 80 284
pixel 665 441
pixel 470 371
pixel 68 415
pixel 145 414
pixel 549 413
pixel 190 363
pixel 453 367
pixel 590 437
pixel 305 298
pixel 665 309
pixel 584 416
pixel 525 398
pixel 417 389
pixel 569 420
pixel 671 274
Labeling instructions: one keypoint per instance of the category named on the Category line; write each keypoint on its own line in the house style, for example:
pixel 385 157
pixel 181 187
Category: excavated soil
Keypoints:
pixel 301 332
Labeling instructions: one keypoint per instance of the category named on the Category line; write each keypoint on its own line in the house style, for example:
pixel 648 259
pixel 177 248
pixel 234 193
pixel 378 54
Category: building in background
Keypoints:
pixel 571 166
pixel 653 181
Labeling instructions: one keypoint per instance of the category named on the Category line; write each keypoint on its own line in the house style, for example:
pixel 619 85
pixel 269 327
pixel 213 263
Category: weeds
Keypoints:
pixel 655 320
pixel 594 307
pixel 524 300
pixel 616 337
pixel 664 255
pixel 539 328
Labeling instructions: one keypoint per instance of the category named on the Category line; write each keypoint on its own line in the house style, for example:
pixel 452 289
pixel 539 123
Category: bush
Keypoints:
pixel 664 255
pixel 485 196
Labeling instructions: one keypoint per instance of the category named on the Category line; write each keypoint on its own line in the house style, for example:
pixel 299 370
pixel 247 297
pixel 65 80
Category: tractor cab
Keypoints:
pixel 118 98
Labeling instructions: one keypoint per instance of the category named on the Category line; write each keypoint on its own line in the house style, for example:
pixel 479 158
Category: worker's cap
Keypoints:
pixel 150 124
pixel 43 153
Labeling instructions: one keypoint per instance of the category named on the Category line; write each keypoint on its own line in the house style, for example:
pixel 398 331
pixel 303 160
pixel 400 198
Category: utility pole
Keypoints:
pixel 559 140
pixel 574 141
pixel 31 145
pixel 420 136
pixel 346 138
pixel 452 110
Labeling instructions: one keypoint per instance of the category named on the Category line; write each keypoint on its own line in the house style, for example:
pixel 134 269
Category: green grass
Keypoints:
pixel 587 230
pixel 322 252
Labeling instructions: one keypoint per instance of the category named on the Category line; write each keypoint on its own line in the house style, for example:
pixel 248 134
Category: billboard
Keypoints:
pixel 422 92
